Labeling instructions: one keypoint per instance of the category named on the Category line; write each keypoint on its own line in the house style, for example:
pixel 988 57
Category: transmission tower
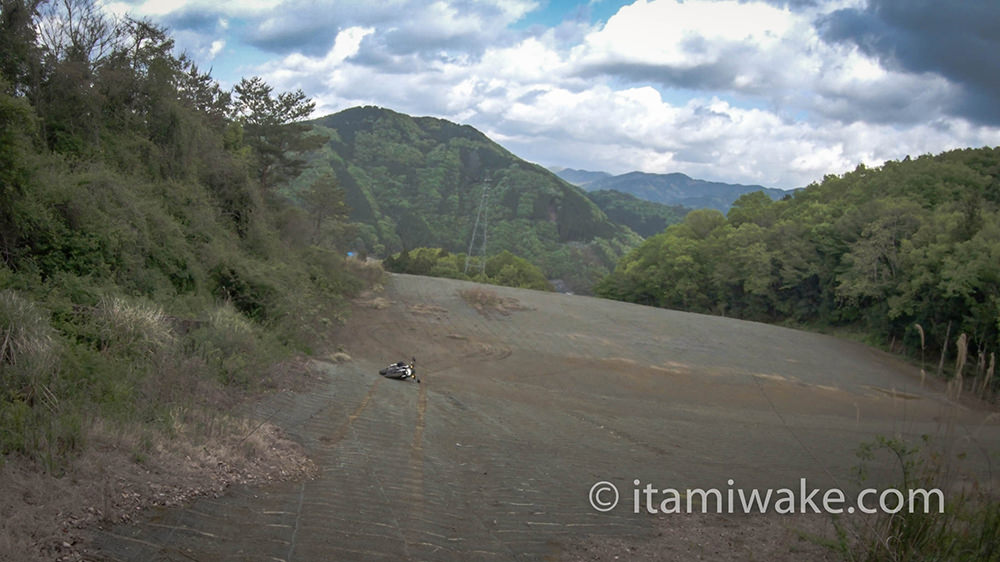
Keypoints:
pixel 483 213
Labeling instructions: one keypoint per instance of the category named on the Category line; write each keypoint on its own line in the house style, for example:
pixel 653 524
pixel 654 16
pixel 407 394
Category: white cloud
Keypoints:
pixel 683 34
pixel 348 43
pixel 233 8
pixel 216 48
pixel 737 91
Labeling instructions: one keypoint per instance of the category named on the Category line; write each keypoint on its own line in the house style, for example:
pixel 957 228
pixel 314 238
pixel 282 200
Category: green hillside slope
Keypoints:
pixel 646 218
pixel 146 269
pixel 418 182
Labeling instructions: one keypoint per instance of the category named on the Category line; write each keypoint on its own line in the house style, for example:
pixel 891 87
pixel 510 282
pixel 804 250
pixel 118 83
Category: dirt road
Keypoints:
pixel 519 415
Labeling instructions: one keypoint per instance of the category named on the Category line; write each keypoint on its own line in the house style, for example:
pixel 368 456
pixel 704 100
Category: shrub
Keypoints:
pixel 28 352
pixel 134 329
pixel 235 349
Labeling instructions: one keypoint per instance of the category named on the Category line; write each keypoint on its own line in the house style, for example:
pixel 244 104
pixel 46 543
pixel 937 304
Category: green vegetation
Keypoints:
pixel 502 269
pixel 908 254
pixel 644 217
pixel 418 182
pixel 965 527
pixel 147 259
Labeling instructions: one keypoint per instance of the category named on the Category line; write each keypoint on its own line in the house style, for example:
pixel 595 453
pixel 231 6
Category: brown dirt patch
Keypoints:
pixel 427 310
pixel 125 470
pixel 488 302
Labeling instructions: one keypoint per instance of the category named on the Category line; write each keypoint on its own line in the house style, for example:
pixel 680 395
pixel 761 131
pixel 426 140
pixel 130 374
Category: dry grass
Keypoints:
pixel 487 302
pixel 31 408
pixel 26 332
pixel 427 309
pixel 968 528
pixel 368 300
pixel 962 353
pixel 339 357
pixel 128 326
pixel 126 469
pixel 194 448
pixel 28 353
pixel 370 271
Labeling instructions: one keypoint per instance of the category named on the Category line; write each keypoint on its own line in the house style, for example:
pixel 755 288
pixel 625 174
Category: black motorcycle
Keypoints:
pixel 401 370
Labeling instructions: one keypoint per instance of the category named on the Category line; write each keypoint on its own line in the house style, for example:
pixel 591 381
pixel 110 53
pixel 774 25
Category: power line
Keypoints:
pixel 481 213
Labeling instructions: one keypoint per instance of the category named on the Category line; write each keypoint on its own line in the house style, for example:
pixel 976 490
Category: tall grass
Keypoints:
pixel 34 416
pixel 961 356
pixel 132 327
pixel 968 528
pixel 122 360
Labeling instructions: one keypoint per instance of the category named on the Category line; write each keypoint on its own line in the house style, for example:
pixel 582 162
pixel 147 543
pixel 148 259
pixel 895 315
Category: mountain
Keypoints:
pixel 580 177
pixel 419 181
pixel 678 189
pixel 644 217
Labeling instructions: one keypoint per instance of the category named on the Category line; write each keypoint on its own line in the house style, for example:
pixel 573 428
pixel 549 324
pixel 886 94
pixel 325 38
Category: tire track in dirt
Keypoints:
pixel 343 429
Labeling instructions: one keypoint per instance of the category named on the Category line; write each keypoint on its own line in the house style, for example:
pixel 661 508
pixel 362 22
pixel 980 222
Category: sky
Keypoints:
pixel 772 92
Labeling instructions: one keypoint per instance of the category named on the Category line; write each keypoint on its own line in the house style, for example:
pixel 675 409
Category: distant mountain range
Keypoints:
pixel 580 177
pixel 668 189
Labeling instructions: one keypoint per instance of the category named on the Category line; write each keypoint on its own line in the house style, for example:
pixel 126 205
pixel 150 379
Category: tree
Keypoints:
pixel 271 128
pixel 755 207
pixel 78 30
pixel 19 56
pixel 199 91
pixel 324 201
pixel 873 260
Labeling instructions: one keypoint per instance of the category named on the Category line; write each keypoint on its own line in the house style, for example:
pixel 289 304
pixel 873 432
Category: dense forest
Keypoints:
pixel 908 255
pixel 501 269
pixel 412 182
pixel 148 254
pixel 645 218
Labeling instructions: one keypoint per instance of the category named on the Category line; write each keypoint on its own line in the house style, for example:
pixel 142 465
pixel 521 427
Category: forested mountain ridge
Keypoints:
pixel 414 182
pixel 646 218
pixel 670 189
pixel 908 253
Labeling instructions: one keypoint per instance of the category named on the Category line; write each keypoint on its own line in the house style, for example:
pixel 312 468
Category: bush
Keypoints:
pixel 504 269
pixel 235 349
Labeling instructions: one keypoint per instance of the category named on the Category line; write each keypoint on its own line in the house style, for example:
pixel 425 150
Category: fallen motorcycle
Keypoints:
pixel 401 370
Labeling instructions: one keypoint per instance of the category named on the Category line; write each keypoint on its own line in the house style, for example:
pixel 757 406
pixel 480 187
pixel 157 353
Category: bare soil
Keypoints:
pixel 123 472
pixel 519 414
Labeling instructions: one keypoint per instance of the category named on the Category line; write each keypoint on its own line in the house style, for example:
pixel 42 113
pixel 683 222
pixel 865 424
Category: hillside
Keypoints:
pixel 908 255
pixel 418 182
pixel 149 281
pixel 673 189
pixel 644 217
